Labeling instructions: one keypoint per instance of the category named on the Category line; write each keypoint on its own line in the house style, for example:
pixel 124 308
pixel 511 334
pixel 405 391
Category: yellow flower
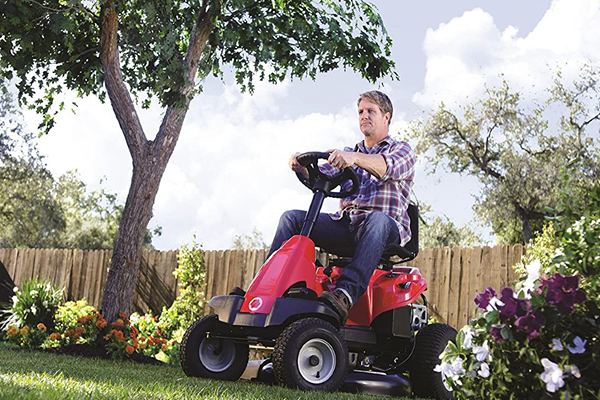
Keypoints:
pixel 41 327
pixel 24 330
pixel 12 330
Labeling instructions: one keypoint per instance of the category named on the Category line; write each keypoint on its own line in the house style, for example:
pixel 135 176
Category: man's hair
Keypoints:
pixel 379 98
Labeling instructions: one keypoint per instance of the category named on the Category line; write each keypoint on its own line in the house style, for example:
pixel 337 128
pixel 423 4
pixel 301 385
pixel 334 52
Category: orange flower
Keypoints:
pixel 41 327
pixel 99 323
pixel 174 342
pixel 12 330
pixel 129 349
pixel 165 347
pixel 118 322
pixel 81 320
pixel 142 339
pixel 78 330
pixel 142 346
pixel 119 335
pixel 134 330
pixel 107 336
pixel 70 332
pixel 122 315
pixel 24 330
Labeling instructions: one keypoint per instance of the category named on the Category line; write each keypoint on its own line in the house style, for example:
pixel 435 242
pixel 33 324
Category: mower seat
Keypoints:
pixel 405 253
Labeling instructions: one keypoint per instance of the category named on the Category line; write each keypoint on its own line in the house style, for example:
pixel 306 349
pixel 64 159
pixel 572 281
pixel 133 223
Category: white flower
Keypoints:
pixel 45 303
pixel 572 370
pixel 468 340
pixel 482 352
pixel 15 300
pixel 484 370
pixel 557 345
pixel 578 346
pixel 552 376
pixel 533 275
pixel 453 370
pixel 494 304
pixel 16 289
pixel 33 293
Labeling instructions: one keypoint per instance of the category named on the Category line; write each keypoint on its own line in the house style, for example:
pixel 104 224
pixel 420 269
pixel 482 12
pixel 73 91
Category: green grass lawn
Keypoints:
pixel 38 375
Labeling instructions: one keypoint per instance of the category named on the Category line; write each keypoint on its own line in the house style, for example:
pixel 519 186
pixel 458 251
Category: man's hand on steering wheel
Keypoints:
pixel 308 172
pixel 341 159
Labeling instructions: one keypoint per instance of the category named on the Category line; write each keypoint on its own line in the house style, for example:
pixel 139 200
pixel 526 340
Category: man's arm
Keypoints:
pixel 372 163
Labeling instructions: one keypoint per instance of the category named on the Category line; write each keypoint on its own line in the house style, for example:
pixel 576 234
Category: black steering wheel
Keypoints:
pixel 310 161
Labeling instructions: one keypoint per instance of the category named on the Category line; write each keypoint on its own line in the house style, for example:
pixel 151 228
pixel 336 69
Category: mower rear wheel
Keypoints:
pixel 208 357
pixel 310 354
pixel 431 341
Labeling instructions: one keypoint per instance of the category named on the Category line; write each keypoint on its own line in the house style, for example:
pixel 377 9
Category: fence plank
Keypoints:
pixel 455 275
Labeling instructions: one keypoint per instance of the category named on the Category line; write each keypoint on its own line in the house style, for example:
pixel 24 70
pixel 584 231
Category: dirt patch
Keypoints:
pixel 98 351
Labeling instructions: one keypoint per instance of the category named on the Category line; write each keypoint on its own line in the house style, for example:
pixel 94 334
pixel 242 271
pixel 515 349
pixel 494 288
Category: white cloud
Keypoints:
pixel 470 51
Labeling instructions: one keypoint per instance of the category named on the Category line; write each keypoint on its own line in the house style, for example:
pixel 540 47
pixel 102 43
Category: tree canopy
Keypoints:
pixel 520 154
pixel 55 45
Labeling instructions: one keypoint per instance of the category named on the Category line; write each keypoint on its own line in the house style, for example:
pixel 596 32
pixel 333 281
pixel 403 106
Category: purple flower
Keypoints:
pixel 496 333
pixel 563 292
pixel 512 307
pixel 531 323
pixel 483 299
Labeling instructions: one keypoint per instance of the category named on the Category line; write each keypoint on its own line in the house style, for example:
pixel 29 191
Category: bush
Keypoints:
pixel 191 273
pixel 67 315
pixel 27 336
pixel 36 303
pixel 542 341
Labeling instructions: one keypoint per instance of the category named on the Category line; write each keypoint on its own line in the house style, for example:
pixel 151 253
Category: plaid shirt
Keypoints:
pixel 390 194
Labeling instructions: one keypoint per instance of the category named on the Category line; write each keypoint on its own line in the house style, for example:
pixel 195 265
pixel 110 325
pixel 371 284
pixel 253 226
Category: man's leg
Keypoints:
pixel 372 237
pixel 326 232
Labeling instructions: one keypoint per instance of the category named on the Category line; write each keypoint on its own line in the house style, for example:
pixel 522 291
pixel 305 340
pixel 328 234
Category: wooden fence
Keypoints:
pixel 454 275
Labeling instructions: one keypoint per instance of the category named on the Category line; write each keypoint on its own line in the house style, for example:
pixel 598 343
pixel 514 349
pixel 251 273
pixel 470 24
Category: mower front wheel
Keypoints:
pixel 310 354
pixel 211 357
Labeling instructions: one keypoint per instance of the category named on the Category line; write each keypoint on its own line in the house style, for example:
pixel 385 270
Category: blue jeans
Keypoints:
pixel 370 239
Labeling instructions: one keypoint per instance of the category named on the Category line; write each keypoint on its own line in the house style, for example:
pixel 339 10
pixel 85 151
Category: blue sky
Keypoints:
pixel 229 171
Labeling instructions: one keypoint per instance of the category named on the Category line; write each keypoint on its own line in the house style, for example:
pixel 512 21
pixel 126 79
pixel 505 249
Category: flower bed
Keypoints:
pixel 540 339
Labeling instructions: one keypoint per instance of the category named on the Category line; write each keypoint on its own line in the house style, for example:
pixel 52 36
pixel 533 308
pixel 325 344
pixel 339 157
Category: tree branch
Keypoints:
pixel 118 93
pixel 170 128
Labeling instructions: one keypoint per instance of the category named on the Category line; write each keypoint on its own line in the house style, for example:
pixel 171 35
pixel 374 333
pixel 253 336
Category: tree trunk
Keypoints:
pixel 525 225
pixel 124 266
pixel 150 158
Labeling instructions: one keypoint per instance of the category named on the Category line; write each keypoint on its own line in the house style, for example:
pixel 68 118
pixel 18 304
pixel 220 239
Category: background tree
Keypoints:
pixel 518 154
pixel 39 211
pixel 159 48
pixel 254 240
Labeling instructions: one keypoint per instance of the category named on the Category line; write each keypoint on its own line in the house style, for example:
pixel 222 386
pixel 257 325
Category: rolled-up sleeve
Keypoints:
pixel 400 161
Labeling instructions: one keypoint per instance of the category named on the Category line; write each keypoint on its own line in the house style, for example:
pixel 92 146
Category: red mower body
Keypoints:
pixel 294 263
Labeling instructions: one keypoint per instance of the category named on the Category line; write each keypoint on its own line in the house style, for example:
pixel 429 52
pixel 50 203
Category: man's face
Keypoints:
pixel 373 123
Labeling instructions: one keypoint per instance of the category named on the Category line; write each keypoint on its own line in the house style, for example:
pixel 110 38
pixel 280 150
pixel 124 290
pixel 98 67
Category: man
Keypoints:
pixel 375 216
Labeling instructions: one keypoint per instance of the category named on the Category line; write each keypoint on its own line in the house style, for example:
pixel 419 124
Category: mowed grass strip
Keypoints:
pixel 38 375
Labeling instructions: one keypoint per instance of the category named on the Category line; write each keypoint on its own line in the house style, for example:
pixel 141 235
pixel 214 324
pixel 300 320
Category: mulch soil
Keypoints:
pixel 97 350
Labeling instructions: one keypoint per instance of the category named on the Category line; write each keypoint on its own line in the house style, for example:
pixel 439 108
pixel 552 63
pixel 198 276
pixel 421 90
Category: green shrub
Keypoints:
pixel 35 303
pixel 67 315
pixel 191 273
